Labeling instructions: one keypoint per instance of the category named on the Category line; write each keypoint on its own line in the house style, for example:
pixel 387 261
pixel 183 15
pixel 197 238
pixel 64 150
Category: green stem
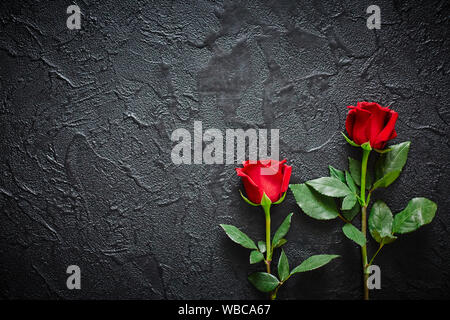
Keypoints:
pixel 343 219
pixel 371 260
pixel 266 208
pixel 268 244
pixel 364 253
pixel 273 294
pixel 364 161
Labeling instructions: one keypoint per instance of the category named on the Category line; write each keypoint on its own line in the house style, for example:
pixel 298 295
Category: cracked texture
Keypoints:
pixel 86 117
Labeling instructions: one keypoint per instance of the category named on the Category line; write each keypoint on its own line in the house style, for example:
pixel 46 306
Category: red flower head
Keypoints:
pixel 265 176
pixel 370 122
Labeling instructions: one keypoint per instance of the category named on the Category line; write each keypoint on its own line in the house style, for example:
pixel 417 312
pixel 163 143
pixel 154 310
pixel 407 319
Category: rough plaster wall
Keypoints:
pixel 86 117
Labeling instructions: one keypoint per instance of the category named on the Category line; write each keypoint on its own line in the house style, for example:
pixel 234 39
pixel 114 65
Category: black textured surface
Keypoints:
pixel 86 117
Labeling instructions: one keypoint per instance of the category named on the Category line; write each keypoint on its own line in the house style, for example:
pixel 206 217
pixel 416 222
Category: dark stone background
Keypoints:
pixel 86 117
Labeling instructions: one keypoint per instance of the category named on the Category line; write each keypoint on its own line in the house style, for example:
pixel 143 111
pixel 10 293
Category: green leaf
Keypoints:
pixel 265 201
pixel 354 234
pixel 386 180
pixel 380 223
pixel 262 246
pixel 383 150
pixel 256 256
pixel 355 171
pixel 336 173
pixel 350 214
pixel 388 239
pixel 238 236
pixel 283 266
pixel 351 142
pixel 282 229
pixel 349 202
pixel 329 186
pixel 366 146
pixel 314 262
pixel 248 201
pixel 313 203
pixel 263 281
pixel 280 243
pixel 350 182
pixel 418 212
pixel 394 160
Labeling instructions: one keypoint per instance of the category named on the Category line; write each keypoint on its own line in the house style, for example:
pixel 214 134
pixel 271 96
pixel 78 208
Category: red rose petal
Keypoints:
pixel 387 132
pixel 361 123
pixel 377 120
pixel 349 122
pixel 256 181
pixel 286 177
pixel 253 192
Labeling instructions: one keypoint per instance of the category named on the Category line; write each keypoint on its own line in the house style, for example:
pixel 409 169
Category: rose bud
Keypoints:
pixel 265 176
pixel 370 122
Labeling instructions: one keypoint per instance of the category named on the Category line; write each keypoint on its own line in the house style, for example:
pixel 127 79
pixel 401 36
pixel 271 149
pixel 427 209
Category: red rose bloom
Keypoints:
pixel 273 182
pixel 370 122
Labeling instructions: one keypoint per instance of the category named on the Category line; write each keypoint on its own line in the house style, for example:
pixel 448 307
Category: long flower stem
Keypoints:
pixel 364 253
pixel 364 161
pixel 266 208
pixel 268 245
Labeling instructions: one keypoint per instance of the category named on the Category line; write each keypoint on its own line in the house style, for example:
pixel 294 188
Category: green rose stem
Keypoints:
pixel 379 248
pixel 273 294
pixel 268 246
pixel 365 158
pixel 266 207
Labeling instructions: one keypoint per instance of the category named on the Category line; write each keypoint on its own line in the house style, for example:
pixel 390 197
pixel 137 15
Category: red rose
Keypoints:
pixel 273 181
pixel 370 122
